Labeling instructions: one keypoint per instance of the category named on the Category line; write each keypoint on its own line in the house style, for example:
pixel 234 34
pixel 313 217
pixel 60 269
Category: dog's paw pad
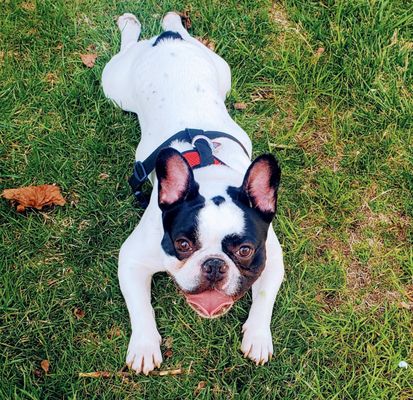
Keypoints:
pixel 257 345
pixel 144 355
pixel 127 19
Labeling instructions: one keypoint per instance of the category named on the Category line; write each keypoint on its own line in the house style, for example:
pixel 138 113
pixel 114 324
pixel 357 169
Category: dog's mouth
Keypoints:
pixel 210 303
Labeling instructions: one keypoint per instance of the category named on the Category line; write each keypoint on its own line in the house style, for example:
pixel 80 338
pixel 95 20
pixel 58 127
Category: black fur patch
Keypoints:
pixel 181 221
pixel 217 200
pixel 255 233
pixel 167 35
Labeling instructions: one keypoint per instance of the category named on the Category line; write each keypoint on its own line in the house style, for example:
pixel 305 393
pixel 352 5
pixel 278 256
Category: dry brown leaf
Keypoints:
pixel 79 313
pixel 45 365
pixel 103 176
pixel 34 196
pixel 240 106
pixel 168 342
pixel 168 353
pixel 206 42
pixel 407 306
pixel 201 385
pixel 320 51
pixel 186 20
pixel 89 59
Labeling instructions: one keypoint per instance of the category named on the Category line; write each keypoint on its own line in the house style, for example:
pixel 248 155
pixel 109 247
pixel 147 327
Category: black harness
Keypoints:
pixel 200 156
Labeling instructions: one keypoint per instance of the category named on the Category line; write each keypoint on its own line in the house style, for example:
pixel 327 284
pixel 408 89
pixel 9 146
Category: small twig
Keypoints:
pixel 126 374
pixel 281 146
pixel 167 372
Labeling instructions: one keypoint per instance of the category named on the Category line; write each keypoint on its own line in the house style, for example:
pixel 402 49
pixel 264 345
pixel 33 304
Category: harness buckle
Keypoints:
pixel 206 138
pixel 139 172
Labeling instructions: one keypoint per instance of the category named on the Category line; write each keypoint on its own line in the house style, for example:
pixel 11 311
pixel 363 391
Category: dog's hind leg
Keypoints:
pixel 116 76
pixel 130 29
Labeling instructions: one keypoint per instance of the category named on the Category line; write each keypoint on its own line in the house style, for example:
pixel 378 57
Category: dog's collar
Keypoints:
pixel 200 156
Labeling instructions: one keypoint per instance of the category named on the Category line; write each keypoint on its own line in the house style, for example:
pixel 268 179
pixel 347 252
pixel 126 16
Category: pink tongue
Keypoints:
pixel 210 302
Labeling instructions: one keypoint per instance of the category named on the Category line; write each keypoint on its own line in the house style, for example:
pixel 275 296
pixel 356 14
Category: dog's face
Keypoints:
pixel 218 243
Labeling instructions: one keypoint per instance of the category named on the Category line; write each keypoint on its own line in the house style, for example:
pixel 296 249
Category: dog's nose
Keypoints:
pixel 214 269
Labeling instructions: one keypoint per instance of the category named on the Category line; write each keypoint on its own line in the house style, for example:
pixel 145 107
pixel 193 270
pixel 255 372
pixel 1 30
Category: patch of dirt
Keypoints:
pixel 366 284
pixel 289 31
pixel 331 301
pixel 279 15
pixel 28 6
pixel 358 276
pixel 315 135
pixel 51 78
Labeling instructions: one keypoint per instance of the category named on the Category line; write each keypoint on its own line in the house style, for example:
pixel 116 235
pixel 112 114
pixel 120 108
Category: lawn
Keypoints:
pixel 328 88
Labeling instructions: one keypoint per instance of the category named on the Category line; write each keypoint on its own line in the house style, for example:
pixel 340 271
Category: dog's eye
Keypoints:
pixel 245 251
pixel 183 245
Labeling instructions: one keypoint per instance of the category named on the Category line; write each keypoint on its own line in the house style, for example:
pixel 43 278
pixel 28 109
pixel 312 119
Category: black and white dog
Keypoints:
pixel 208 222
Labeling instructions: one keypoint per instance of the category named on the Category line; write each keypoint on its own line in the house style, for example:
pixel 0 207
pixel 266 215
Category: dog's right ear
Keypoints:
pixel 176 181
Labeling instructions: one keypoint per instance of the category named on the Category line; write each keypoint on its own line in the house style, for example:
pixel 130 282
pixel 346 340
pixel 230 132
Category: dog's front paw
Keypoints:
pixel 144 353
pixel 257 344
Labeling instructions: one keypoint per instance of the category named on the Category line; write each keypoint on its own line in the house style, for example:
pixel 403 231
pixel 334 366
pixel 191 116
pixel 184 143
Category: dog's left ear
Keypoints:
pixel 260 185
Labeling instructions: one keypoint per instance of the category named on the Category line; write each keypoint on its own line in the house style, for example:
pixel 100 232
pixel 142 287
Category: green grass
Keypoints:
pixel 340 123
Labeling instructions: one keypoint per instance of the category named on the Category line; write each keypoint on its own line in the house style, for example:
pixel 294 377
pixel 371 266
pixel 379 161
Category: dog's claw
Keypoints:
pixel 257 345
pixel 144 354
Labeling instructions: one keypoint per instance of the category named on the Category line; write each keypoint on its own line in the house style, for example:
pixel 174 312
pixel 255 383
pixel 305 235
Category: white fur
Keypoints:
pixel 173 86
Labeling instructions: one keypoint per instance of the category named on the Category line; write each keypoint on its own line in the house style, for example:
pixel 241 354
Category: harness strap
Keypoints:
pixel 200 156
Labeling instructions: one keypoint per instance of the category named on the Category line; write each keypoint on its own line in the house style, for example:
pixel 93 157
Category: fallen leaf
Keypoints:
pixel 103 176
pixel 168 342
pixel 186 20
pixel 206 42
pixel 407 306
pixel 34 196
pixel 240 106
pixel 79 313
pixel 320 51
pixel 45 365
pixel 89 59
pixel 201 385
pixel 168 353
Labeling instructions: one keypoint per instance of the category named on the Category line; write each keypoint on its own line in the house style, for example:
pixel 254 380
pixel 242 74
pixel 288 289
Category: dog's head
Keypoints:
pixel 217 243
